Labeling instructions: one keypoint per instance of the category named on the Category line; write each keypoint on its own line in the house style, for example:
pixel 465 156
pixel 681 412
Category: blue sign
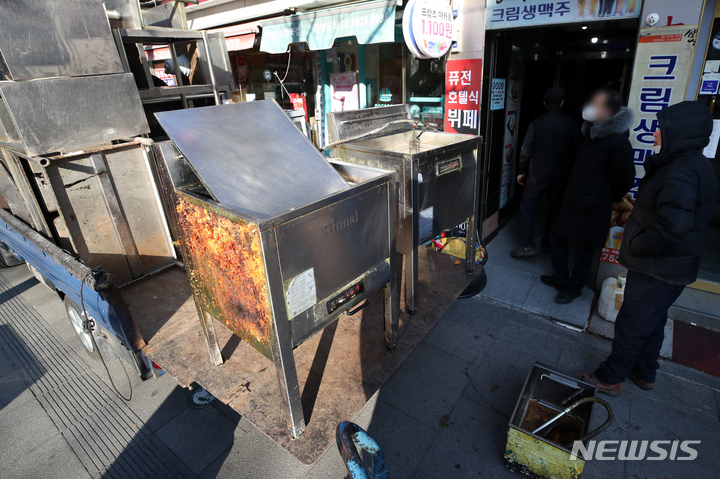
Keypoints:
pixel 372 22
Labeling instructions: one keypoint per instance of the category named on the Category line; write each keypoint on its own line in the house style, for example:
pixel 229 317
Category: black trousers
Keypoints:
pixel 559 255
pixel 535 186
pixel 639 329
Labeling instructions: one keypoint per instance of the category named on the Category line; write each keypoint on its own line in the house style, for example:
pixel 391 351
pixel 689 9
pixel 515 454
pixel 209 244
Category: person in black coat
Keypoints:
pixel 546 157
pixel 603 173
pixel 661 244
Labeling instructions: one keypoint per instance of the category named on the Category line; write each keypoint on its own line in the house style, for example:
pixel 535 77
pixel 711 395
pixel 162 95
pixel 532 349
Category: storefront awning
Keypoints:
pixel 371 22
pixel 237 38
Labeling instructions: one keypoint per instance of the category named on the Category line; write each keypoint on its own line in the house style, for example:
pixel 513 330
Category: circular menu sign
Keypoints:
pixel 408 30
pixel 432 27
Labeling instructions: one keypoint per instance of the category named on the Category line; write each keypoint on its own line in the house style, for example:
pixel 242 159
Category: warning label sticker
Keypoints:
pixel 425 227
pixel 300 293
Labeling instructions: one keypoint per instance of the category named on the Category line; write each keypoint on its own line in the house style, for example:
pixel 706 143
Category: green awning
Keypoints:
pixel 371 22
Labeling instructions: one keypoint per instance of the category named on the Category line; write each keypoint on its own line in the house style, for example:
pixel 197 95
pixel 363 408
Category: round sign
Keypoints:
pixel 408 30
pixel 716 42
pixel 267 74
pixel 385 95
pixel 431 25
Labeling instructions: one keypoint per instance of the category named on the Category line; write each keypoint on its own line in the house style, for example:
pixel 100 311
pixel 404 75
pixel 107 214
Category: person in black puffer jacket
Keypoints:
pixel 662 243
pixel 602 174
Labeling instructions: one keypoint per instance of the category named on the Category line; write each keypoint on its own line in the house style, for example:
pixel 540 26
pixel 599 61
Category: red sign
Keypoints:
pixel 610 255
pixel 298 102
pixel 463 87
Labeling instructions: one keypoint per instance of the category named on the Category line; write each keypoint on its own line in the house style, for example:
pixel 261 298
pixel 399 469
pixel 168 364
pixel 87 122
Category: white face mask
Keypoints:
pixel 657 148
pixel 590 113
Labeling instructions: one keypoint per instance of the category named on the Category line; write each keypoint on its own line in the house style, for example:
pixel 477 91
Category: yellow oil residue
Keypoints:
pixel 226 270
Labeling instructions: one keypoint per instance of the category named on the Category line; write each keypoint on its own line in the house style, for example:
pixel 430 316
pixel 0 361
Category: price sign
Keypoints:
pixel 428 27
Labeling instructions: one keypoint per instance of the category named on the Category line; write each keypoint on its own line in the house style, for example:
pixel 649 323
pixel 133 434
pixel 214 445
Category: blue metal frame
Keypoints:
pixel 97 304
pixel 349 434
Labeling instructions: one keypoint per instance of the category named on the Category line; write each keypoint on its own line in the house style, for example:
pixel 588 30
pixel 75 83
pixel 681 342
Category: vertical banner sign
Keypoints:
pixel 660 77
pixel 463 87
pixel 512 117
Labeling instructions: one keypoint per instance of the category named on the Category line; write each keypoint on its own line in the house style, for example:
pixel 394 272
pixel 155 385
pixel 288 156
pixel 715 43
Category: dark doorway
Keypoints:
pixel 579 57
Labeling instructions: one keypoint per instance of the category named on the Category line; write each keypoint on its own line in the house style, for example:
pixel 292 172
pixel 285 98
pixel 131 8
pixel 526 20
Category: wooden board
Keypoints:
pixel 339 369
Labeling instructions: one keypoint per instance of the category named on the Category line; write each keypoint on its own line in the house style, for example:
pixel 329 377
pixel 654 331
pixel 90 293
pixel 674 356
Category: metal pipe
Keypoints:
pixel 577 404
pixel 141 140
pixel 113 15
pixel 210 67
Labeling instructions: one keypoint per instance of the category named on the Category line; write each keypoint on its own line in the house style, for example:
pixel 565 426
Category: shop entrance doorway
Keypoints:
pixel 579 57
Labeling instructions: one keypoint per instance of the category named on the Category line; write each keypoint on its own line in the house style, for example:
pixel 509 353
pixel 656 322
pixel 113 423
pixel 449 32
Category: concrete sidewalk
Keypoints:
pixel 59 418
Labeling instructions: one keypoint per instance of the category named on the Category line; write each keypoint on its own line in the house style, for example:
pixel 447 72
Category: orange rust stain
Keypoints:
pixel 226 270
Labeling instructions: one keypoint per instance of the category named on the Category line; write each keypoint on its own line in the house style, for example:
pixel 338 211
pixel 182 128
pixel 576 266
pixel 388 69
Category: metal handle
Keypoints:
pixel 350 312
pixel 577 404
pixel 346 436
pixel 603 426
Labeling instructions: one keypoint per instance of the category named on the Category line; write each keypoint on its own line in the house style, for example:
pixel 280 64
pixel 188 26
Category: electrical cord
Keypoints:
pixel 88 327
pixel 287 70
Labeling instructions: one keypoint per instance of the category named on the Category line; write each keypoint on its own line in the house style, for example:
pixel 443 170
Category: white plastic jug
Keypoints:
pixel 611 297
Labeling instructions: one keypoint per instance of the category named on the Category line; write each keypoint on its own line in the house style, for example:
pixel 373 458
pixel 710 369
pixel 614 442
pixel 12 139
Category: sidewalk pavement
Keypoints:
pixel 59 419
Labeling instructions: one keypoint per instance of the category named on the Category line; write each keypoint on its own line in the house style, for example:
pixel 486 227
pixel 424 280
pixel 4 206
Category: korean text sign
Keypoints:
pixel 463 87
pixel 523 13
pixel 660 77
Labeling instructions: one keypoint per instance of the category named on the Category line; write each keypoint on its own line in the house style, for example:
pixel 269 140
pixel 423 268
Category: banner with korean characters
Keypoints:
pixel 660 76
pixel 463 88
pixel 525 13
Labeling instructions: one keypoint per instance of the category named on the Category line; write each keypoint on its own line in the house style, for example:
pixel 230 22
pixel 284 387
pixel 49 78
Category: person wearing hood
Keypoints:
pixel 602 174
pixel 662 243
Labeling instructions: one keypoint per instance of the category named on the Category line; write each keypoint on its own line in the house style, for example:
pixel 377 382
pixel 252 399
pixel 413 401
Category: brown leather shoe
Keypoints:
pixel 641 384
pixel 605 388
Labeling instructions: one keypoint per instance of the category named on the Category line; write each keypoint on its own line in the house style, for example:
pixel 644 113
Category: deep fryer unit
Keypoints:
pixel 437 177
pixel 278 242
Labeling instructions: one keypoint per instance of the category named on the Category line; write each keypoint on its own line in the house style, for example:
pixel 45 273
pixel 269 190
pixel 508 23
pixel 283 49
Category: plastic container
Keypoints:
pixel 611 297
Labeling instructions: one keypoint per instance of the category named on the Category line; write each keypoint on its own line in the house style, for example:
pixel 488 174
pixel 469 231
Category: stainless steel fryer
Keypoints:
pixel 436 173
pixel 278 243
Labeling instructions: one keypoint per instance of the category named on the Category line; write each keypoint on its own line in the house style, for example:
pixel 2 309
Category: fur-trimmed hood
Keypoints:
pixel 618 123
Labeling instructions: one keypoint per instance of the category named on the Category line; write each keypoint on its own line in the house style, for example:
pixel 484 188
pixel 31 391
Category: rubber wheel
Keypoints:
pixel 74 312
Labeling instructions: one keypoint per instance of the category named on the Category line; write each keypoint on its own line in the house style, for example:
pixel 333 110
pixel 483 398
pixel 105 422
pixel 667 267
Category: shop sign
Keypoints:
pixel 372 22
pixel 663 61
pixel 299 103
pixel 428 27
pixel 344 91
pixel 463 86
pixel 497 94
pixel 524 13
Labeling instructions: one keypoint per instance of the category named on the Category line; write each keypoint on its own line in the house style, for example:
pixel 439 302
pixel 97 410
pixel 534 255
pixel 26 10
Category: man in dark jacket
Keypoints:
pixel 603 173
pixel 662 243
pixel 546 157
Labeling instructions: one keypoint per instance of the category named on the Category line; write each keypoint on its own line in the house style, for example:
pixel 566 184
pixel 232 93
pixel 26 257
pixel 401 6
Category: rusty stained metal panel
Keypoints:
pixel 224 262
pixel 540 459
